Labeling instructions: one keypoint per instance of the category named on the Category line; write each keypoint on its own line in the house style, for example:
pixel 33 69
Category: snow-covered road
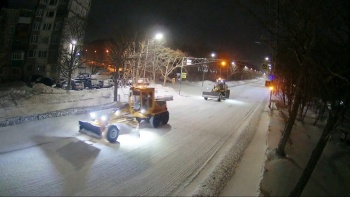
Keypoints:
pixel 49 157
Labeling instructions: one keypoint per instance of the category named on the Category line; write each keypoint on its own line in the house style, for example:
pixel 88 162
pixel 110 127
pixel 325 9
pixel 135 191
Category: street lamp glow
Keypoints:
pixel 267 58
pixel 233 63
pixel 213 54
pixel 159 36
pixel 223 63
pixel 74 42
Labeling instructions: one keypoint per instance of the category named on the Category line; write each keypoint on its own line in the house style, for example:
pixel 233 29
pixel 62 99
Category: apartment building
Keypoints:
pixel 47 25
pixel 15 31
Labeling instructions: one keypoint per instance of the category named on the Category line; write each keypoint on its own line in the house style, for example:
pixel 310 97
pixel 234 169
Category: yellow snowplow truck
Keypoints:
pixel 142 105
pixel 220 91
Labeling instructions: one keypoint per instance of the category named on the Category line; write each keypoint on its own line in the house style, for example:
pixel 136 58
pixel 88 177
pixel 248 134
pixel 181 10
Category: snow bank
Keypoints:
pixel 20 103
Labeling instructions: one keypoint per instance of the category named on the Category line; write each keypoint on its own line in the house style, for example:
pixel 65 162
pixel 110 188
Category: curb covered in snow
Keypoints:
pixel 52 114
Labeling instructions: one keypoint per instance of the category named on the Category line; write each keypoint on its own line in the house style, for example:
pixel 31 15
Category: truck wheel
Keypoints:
pixel 139 120
pixel 205 98
pixel 112 134
pixel 155 121
pixel 165 117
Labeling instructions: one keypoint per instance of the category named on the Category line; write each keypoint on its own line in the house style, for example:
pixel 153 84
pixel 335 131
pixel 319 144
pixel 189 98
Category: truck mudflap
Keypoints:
pixel 90 129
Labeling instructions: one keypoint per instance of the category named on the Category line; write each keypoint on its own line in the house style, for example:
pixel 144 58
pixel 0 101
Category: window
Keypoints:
pixel 36 25
pixel 39 13
pixel 34 39
pixel 45 40
pixel 17 56
pixel 54 39
pixel 47 26
pixel 15 71
pixel 52 53
pixel 50 14
pixel 53 2
pixel 12 29
pixel 42 54
pixel 57 26
pixel 31 53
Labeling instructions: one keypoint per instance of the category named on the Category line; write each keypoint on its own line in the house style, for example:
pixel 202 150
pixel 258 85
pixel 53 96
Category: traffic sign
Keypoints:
pixel 264 66
pixel 183 75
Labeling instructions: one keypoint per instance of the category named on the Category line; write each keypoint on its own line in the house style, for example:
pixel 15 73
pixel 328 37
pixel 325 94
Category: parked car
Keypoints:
pixel 86 81
pixel 44 80
pixel 75 85
pixel 60 82
pixel 143 81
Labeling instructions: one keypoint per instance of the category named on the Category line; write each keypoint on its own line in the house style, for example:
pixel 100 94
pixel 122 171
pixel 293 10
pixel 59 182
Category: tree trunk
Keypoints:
pixel 287 130
pixel 165 77
pixel 69 80
pixel 116 84
pixel 315 156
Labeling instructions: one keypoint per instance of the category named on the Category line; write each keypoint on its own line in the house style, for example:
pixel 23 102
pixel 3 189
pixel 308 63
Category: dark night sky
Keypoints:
pixel 206 26
pixel 221 26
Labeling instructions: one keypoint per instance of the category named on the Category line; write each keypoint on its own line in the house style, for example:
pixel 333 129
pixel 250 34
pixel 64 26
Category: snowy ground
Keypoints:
pixel 331 177
pixel 276 176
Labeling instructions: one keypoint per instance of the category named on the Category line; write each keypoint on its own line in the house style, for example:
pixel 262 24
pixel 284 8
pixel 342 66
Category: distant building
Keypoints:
pixel 30 40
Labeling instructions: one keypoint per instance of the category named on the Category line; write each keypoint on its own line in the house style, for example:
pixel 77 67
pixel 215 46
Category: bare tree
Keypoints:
pixel 121 51
pixel 317 33
pixel 71 45
pixel 333 74
pixel 169 61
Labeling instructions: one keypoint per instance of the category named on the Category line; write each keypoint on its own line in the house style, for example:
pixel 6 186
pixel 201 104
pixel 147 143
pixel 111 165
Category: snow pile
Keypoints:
pixel 41 88
pixel 20 100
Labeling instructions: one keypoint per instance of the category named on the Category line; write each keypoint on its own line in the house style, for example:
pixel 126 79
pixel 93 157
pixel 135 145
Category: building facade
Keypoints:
pixel 14 36
pixel 39 36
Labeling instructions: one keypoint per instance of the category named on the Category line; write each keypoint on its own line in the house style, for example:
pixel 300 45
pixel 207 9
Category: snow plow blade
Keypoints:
pixel 90 129
pixel 211 94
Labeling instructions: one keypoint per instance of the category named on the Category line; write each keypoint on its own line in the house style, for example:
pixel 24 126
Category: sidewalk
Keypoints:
pixel 249 172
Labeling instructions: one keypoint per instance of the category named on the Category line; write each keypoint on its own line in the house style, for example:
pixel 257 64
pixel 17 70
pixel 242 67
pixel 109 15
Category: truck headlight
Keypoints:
pixel 103 118
pixel 92 115
pixel 143 111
